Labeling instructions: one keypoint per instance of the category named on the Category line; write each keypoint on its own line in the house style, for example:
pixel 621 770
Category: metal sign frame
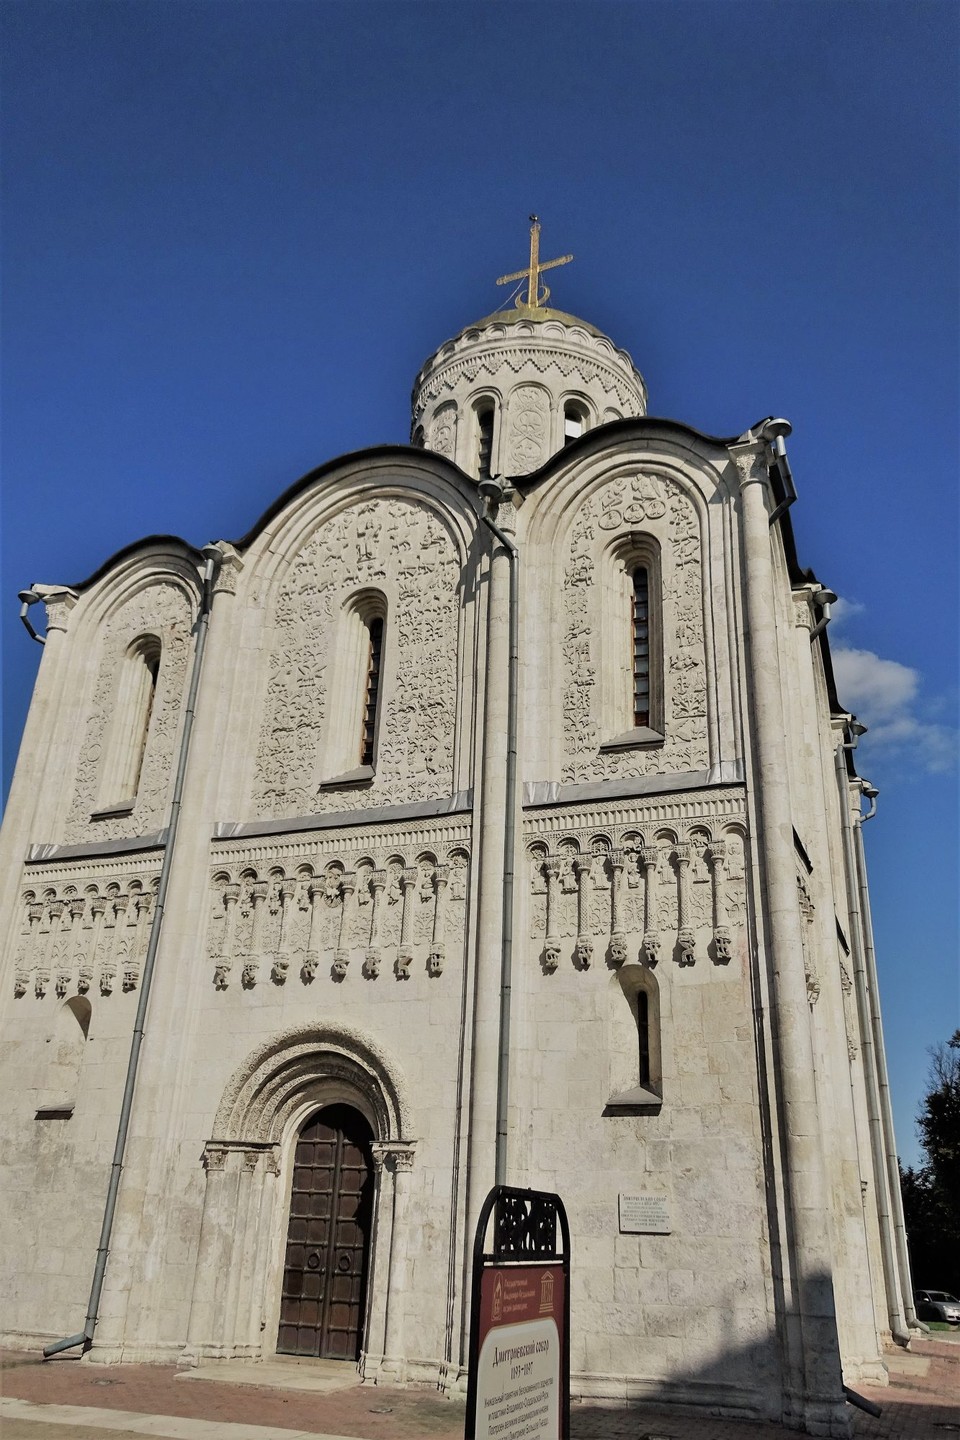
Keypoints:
pixel 525 1224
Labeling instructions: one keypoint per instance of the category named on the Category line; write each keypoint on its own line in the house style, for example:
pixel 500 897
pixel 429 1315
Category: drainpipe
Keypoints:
pixel 878 1150
pixel 28 598
pixel 825 599
pixel 886 1108
pixel 85 1338
pixel 774 433
pixel 492 492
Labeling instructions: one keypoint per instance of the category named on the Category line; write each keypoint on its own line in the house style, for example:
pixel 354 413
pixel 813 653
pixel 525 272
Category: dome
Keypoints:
pixel 510 391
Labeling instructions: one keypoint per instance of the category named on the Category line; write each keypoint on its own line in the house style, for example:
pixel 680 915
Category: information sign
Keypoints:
pixel 519 1383
pixel 644 1215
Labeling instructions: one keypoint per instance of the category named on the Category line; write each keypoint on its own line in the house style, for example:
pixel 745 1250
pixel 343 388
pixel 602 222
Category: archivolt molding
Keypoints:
pixel 294 1066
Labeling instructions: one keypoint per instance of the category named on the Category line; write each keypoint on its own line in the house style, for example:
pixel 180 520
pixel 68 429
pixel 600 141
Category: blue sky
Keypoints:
pixel 233 231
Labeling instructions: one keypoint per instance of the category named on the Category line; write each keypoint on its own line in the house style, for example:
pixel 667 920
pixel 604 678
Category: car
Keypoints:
pixel 937 1305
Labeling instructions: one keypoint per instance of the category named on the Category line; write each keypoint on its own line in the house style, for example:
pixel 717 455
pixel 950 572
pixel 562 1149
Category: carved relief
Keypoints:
pixel 402 549
pixel 409 916
pixel 443 432
pixel 68 939
pixel 657 505
pixel 529 429
pixel 628 897
pixel 164 610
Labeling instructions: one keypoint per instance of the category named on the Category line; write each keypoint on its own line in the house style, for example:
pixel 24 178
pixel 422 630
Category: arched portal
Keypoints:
pixel 314 1125
pixel 327 1258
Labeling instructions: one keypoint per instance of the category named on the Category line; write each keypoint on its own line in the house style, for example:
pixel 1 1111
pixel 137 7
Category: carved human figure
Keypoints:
pixel 551 949
pixel 722 938
pixel 437 956
pixel 686 939
pixel 650 949
pixel 221 974
pixel 617 949
pixel 348 900
pixel 371 965
pixel 584 948
pixel 409 877
pixel 281 960
pixel 251 966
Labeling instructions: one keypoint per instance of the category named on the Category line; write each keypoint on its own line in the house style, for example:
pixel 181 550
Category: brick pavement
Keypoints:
pixel 921 1403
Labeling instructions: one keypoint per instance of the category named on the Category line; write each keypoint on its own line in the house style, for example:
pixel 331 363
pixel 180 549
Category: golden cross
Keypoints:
pixel 537 295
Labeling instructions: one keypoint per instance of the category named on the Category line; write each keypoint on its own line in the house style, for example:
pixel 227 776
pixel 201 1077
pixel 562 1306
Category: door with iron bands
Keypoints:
pixel 328 1239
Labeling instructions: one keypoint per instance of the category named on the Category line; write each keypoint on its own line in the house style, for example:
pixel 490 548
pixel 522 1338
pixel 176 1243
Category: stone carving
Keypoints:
pixel 657 505
pixel 443 432
pixel 529 429
pixel 622 893
pixel 162 609
pixel 387 909
pixel 403 550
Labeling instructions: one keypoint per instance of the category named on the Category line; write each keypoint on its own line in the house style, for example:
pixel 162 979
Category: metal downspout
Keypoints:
pixel 877 1149
pixel 886 1109
pixel 85 1337
pixel 509 845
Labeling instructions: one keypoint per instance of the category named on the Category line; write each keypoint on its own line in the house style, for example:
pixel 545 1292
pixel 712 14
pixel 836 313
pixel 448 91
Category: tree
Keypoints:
pixel 931 1193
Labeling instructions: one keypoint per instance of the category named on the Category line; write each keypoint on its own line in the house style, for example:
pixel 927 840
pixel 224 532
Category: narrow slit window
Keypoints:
pixel 641 648
pixel 573 424
pixel 643 1034
pixel 484 441
pixel 130 725
pixel 372 692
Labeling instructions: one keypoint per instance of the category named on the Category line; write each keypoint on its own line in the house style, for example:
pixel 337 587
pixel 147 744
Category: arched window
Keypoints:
pixel 574 421
pixel 127 744
pixel 635 1042
pixel 67 1042
pixel 371 701
pixel 631 689
pixel 349 751
pixel 485 421
pixel 641 647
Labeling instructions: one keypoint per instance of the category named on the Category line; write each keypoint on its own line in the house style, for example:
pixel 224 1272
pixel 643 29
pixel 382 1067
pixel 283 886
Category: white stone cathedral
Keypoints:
pixel 546 687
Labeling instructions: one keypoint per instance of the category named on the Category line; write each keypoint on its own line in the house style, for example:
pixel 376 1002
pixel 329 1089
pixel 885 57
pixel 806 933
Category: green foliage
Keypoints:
pixel 931 1193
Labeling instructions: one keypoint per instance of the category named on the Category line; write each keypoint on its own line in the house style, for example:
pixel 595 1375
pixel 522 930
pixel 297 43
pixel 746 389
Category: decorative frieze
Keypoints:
pixel 637 891
pixel 83 925
pixel 386 908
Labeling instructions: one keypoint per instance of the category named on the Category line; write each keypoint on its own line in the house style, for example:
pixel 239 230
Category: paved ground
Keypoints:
pixel 66 1399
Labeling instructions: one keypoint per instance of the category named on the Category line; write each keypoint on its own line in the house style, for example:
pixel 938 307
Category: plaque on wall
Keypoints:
pixel 644 1215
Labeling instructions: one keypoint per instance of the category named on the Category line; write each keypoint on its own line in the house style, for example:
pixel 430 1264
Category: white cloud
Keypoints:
pixel 883 694
pixel 844 610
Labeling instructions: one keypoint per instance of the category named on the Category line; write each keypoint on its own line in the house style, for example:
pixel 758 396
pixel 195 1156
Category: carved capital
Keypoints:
pixel 214 1158
pixel 248 976
pixel 58 601
pixel 107 977
pixel 259 891
pixel 84 979
pixel 584 952
pixel 228 571
pixel 98 905
pixel 378 879
pixel 278 971
pixel 409 877
pixel 682 853
pixel 393 1155
pixel 551 954
pixel 56 908
pixel 221 976
pixel 130 978
pixel 288 888
pixel 649 857
pixel 61 984
pixel 582 864
pixel 231 894
pixel 348 882
pixel 617 859
pixel 77 908
pixel 143 903
pixel 435 960
pixel 651 948
pixel 751 462
pixel 308 969
pixel 717 853
pixel 403 962
pixel 371 964
pixel 34 914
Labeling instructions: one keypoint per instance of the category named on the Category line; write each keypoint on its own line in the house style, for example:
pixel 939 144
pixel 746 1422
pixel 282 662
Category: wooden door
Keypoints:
pixel 328 1239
